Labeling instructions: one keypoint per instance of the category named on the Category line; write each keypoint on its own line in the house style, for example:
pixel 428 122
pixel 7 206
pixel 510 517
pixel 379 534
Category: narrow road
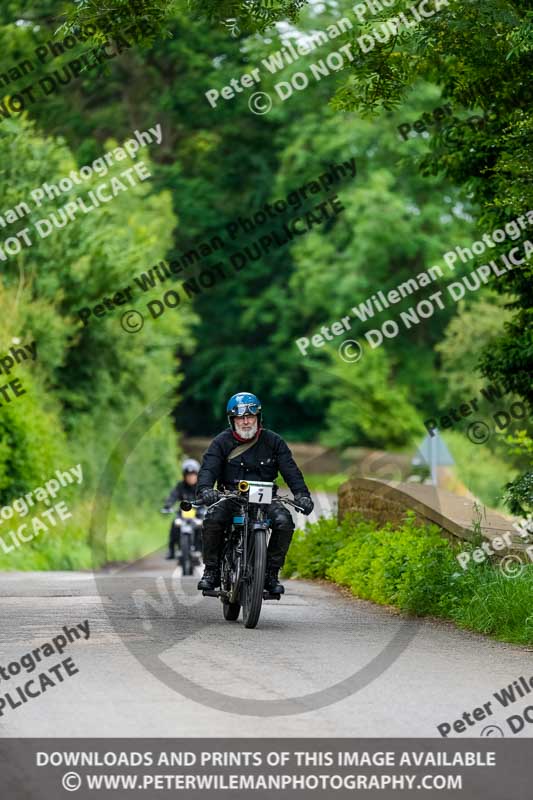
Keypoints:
pixel 322 662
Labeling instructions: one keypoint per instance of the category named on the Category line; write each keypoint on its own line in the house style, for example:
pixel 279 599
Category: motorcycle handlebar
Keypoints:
pixel 185 505
pixel 291 503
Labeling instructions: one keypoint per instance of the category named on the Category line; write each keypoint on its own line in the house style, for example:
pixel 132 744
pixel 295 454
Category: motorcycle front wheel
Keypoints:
pixel 252 590
pixel 185 558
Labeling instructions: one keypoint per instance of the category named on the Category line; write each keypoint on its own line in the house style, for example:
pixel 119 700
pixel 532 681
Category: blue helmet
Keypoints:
pixel 243 403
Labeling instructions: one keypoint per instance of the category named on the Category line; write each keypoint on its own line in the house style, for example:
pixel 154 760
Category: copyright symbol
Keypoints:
pixel 132 321
pixel 71 781
pixel 258 104
pixel 511 567
pixel 478 432
pixel 350 351
pixel 448 137
pixel 492 730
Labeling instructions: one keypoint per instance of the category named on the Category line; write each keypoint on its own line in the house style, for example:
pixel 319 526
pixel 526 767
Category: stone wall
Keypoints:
pixel 387 501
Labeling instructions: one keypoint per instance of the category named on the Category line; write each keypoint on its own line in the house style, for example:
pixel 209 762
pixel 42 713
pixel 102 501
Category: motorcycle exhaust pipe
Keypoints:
pixel 243 486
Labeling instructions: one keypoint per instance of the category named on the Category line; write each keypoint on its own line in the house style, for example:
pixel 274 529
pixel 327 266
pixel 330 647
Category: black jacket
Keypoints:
pixel 181 491
pixel 262 462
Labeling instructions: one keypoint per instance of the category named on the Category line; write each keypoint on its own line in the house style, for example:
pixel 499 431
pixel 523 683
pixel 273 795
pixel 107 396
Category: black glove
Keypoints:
pixel 208 496
pixel 305 502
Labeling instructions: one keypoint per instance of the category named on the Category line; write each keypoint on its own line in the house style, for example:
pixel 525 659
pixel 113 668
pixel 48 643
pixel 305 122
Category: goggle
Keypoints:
pixel 245 408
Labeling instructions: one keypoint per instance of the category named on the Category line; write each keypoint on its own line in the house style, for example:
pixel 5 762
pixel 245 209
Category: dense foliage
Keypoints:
pixel 87 384
pixel 415 569
pixel 409 203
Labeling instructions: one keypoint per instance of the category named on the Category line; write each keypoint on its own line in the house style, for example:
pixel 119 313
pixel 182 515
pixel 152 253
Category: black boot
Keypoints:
pixel 170 554
pixel 210 579
pixel 212 535
pixel 272 583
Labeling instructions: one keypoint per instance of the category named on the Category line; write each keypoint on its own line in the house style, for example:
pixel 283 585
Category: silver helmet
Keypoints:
pixel 190 465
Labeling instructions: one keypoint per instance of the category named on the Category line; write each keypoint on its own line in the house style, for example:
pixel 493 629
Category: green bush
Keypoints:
pixel 32 444
pixel 313 550
pixel 415 568
pixel 131 534
pixel 498 606
pixel 409 567
pixel 92 390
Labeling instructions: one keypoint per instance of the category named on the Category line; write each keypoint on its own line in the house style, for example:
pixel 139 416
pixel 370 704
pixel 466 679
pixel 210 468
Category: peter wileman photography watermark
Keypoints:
pixel 15 356
pixel 426 308
pixel 103 193
pixel 505 697
pixel 478 431
pixel 274 63
pixel 432 119
pixel 455 291
pixel 511 565
pixel 16 696
pixel 10 540
pixel 277 223
pixel 292 50
pixel 52 83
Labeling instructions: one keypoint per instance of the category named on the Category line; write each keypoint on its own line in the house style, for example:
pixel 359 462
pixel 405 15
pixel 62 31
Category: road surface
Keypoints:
pixel 316 637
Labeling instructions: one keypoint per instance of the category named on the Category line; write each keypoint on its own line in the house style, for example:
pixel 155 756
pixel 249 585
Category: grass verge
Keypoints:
pixel 132 534
pixel 415 569
pixel 321 482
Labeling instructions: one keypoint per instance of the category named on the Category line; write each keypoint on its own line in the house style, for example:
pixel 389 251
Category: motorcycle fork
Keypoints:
pixel 259 523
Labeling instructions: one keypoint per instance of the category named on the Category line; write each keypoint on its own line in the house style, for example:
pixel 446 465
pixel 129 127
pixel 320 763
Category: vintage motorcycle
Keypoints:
pixel 244 554
pixel 189 522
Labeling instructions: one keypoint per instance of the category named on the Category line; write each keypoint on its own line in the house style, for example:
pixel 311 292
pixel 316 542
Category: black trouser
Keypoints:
pixel 220 516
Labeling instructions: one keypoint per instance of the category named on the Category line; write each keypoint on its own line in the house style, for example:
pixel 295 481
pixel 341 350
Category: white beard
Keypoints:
pixel 245 433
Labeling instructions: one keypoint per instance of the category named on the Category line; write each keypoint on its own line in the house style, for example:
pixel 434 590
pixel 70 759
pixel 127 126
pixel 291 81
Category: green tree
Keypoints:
pixel 99 375
pixel 366 406
pixel 216 164
pixel 472 330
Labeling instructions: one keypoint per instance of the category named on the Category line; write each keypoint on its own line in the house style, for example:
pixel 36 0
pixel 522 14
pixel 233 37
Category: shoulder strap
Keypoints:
pixel 240 449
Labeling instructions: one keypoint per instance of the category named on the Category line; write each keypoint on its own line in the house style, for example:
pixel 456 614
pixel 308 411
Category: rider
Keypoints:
pixel 247 451
pixel 183 490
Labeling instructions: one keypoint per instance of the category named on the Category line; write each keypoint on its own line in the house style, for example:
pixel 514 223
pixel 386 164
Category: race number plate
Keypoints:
pixel 260 492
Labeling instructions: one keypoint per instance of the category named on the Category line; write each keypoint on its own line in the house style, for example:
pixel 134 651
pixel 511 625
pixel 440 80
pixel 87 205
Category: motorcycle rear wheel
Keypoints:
pixel 252 590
